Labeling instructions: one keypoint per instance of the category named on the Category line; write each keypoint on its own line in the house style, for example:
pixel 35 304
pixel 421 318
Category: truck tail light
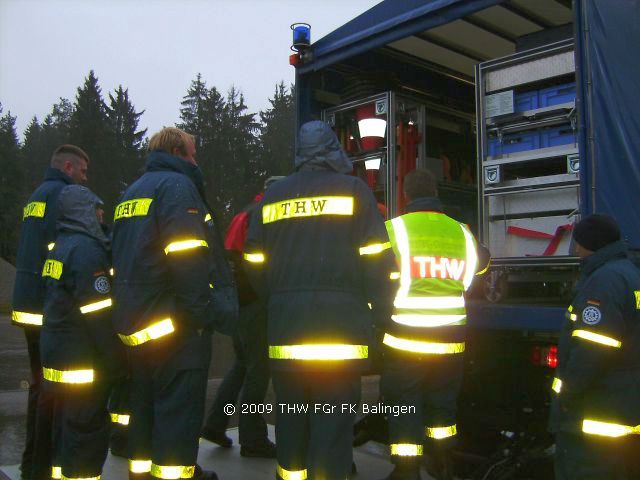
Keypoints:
pixel 545 356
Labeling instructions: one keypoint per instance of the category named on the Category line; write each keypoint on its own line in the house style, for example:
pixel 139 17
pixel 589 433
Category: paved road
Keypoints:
pixel 14 383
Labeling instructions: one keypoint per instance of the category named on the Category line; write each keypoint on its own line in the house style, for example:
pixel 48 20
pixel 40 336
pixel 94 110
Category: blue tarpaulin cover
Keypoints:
pixel 387 22
pixel 608 40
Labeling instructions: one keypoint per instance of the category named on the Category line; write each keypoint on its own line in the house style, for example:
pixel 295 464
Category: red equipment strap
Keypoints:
pixel 554 239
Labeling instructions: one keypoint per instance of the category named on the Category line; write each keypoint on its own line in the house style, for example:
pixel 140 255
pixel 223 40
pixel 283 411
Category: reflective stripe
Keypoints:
pixel 329 351
pixel 472 258
pixel 53 269
pixel 484 270
pixel 184 245
pixel 171 472
pixel 34 209
pixel 556 386
pixel 67 376
pixel 608 429
pixel 120 418
pixel 394 276
pixel 51 246
pixel 254 257
pixel 637 294
pixel 422 347
pixel 406 449
pixel 95 306
pixel 137 207
pixel 56 473
pixel 441 432
pixel 139 466
pixel 64 477
pixel 374 248
pixel 427 321
pixel 597 338
pixel 402 243
pixel 26 318
pixel 207 218
pixel 291 474
pixel 307 207
pixel 428 302
pixel 152 332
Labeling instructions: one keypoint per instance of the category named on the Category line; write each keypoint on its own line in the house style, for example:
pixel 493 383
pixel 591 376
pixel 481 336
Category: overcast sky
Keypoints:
pixel 152 47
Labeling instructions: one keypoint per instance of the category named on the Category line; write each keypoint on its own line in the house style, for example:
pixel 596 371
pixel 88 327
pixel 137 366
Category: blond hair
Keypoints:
pixel 170 138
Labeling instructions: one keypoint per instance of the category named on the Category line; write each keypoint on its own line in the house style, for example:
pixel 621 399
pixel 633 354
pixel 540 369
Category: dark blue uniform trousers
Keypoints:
pixel 427 387
pixel 167 409
pixel 318 441
pixel 248 377
pixel 592 457
pixel 81 430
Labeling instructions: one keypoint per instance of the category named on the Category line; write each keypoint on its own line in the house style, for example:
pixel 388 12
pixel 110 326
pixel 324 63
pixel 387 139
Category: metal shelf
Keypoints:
pixel 529 155
pixel 532 115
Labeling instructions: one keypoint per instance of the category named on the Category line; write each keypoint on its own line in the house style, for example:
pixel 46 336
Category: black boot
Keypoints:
pixel 200 474
pixel 265 449
pixel 406 468
pixel 218 437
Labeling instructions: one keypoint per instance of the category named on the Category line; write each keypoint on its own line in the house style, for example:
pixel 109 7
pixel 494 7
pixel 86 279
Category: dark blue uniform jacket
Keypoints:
pixel 168 262
pixel 317 283
pixel 600 369
pixel 38 231
pixel 70 339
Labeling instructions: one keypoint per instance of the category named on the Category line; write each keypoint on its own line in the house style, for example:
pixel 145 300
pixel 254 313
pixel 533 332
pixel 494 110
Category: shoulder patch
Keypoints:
pixel 591 315
pixel 193 211
pixel 102 284
pixel 591 301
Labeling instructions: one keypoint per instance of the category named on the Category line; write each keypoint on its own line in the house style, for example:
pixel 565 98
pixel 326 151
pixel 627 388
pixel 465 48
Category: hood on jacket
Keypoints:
pixel 318 149
pixel 159 161
pixel 77 212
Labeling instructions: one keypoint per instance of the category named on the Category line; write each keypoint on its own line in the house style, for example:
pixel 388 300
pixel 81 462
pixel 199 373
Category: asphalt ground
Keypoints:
pixel 14 384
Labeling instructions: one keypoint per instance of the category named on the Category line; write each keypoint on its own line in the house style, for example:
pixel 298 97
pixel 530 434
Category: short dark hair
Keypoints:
pixel 67 152
pixel 420 183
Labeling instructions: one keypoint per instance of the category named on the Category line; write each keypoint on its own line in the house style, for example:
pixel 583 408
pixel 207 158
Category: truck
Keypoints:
pixel 527 111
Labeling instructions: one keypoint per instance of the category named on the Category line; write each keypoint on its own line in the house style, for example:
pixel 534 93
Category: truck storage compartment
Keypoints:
pixel 531 223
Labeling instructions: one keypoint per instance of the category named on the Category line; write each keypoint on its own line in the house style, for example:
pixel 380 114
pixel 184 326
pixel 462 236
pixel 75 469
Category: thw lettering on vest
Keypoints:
pixel 307 207
pixel 133 208
pixel 437 267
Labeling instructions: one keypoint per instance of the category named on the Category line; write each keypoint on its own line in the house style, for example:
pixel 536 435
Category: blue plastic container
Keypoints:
pixel 553 137
pixel 525 101
pixel 520 142
pixel 493 148
pixel 557 94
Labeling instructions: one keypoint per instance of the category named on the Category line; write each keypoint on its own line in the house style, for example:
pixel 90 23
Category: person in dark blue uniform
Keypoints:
pixel 249 376
pixel 595 411
pixel 318 252
pixel 68 165
pixel 81 355
pixel 169 276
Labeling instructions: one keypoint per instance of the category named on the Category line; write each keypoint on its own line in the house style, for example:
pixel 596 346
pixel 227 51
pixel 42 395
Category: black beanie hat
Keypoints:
pixel 596 231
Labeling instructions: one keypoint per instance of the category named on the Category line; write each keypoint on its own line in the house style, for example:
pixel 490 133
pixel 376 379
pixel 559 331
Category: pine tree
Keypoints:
pixel 35 158
pixel 90 131
pixel 241 176
pixel 126 157
pixel 193 111
pixel 277 133
pixel 12 193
